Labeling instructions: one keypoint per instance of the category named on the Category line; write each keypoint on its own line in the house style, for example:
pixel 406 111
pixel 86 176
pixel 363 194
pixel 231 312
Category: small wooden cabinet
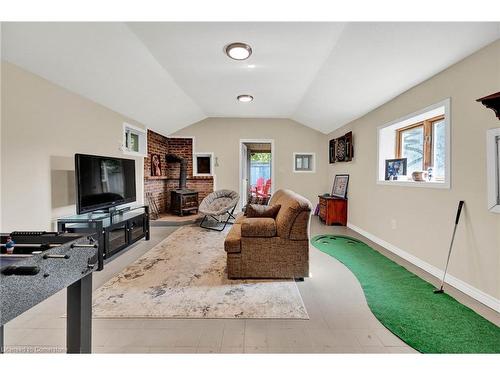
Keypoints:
pixel 333 210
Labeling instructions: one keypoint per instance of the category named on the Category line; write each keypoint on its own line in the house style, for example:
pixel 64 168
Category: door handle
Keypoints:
pixel 83 245
pixel 56 256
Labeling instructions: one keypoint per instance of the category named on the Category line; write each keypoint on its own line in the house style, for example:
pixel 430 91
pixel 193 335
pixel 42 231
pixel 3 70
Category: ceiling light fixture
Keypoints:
pixel 238 51
pixel 245 98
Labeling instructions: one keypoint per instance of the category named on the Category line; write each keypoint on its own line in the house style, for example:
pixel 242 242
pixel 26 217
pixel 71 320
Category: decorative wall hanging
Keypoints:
pixel 155 165
pixel 493 102
pixel 341 149
pixel 331 151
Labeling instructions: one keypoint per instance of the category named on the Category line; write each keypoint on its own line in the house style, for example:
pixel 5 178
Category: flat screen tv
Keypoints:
pixel 103 182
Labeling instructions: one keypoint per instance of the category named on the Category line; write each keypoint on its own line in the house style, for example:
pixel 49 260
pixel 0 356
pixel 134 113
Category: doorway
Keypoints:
pixel 256 170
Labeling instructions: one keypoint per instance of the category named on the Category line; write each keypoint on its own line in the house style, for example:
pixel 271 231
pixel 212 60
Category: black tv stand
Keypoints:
pixel 115 230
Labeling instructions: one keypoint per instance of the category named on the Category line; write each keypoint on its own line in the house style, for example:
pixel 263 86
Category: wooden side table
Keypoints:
pixel 333 210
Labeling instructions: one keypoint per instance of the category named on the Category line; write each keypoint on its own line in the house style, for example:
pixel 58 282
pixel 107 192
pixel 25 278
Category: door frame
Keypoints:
pixel 273 156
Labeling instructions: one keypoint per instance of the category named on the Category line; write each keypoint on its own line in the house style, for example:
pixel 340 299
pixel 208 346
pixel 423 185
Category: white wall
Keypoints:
pixel 424 217
pixel 222 136
pixel 43 126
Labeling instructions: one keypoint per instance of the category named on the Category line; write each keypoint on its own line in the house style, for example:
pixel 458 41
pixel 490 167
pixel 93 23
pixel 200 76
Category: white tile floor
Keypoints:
pixel 340 320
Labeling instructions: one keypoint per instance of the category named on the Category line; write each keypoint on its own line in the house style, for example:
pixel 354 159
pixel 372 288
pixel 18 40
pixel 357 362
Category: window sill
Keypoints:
pixel 313 171
pixel 420 184
pixel 134 153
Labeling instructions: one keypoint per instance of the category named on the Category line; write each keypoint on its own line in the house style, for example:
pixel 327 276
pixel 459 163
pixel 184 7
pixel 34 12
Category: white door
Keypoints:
pixel 244 175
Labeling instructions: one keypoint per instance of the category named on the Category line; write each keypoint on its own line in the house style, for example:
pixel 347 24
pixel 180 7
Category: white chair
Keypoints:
pixel 219 203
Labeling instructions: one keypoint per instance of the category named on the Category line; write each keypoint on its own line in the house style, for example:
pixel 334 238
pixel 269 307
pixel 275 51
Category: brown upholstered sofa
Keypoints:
pixel 271 248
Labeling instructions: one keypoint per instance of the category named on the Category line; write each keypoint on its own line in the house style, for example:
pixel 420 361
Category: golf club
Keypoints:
pixel 460 205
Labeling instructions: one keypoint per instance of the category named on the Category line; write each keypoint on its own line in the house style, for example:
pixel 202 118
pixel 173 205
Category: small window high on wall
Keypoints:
pixel 203 164
pixel 415 150
pixel 134 140
pixel 304 162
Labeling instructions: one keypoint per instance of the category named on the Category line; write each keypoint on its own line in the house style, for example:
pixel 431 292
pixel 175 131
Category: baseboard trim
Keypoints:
pixel 468 289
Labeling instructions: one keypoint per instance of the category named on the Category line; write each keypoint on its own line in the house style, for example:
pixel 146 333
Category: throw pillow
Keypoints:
pixel 259 210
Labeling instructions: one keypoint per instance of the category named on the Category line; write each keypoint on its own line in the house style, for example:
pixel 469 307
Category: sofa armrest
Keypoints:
pixel 258 227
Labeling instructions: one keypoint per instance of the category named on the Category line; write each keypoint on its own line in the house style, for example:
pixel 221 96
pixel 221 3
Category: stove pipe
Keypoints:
pixel 171 158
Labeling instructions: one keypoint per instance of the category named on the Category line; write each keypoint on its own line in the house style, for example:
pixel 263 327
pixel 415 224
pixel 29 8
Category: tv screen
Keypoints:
pixel 103 182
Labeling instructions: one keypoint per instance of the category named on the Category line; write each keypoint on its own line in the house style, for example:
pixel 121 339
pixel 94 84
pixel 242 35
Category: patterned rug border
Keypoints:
pixel 186 318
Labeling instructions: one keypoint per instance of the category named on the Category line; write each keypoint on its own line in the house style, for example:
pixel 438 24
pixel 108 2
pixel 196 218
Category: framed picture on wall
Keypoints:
pixel 340 183
pixel 155 165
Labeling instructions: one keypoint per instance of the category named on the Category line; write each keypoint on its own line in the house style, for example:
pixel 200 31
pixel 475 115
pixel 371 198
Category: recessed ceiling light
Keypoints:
pixel 245 98
pixel 251 66
pixel 238 51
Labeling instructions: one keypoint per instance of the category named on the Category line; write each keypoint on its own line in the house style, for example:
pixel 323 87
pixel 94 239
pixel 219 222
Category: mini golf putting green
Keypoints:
pixel 406 304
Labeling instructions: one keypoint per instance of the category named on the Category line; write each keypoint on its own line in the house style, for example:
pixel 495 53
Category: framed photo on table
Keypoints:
pixel 340 183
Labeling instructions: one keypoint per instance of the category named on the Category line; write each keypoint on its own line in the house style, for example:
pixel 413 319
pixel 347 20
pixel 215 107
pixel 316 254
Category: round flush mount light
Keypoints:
pixel 238 51
pixel 245 98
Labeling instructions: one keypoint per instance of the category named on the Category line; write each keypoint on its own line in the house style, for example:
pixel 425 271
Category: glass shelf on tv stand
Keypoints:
pixel 105 218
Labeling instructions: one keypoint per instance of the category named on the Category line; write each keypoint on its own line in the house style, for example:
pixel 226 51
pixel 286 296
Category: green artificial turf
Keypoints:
pixel 406 304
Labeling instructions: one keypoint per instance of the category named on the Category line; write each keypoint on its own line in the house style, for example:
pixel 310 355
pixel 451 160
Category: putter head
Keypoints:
pixel 438 291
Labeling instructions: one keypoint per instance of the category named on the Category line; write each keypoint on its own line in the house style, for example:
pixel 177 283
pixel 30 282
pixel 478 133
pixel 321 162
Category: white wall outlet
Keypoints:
pixel 394 224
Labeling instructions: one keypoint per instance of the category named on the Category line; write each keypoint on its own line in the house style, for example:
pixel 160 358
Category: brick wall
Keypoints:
pixel 182 147
pixel 157 144
pixel 160 187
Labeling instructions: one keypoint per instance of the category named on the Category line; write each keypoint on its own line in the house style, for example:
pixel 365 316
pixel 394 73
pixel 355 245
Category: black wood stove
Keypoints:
pixel 182 200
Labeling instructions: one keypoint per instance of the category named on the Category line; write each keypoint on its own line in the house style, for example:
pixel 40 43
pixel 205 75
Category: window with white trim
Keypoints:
pixel 304 162
pixel 134 140
pixel 415 150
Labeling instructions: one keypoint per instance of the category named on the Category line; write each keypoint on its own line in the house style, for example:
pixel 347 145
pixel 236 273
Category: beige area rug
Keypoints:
pixel 184 277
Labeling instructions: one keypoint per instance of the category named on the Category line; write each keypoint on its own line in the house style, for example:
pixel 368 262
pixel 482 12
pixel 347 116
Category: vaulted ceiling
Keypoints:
pixel 170 75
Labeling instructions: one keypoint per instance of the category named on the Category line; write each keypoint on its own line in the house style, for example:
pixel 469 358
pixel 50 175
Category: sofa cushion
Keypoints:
pixel 232 243
pixel 260 210
pixel 258 227
pixel 300 227
pixel 292 204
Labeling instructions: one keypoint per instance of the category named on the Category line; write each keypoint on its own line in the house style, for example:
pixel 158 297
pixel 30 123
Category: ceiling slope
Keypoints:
pixel 374 62
pixel 104 62
pixel 286 57
pixel 170 75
